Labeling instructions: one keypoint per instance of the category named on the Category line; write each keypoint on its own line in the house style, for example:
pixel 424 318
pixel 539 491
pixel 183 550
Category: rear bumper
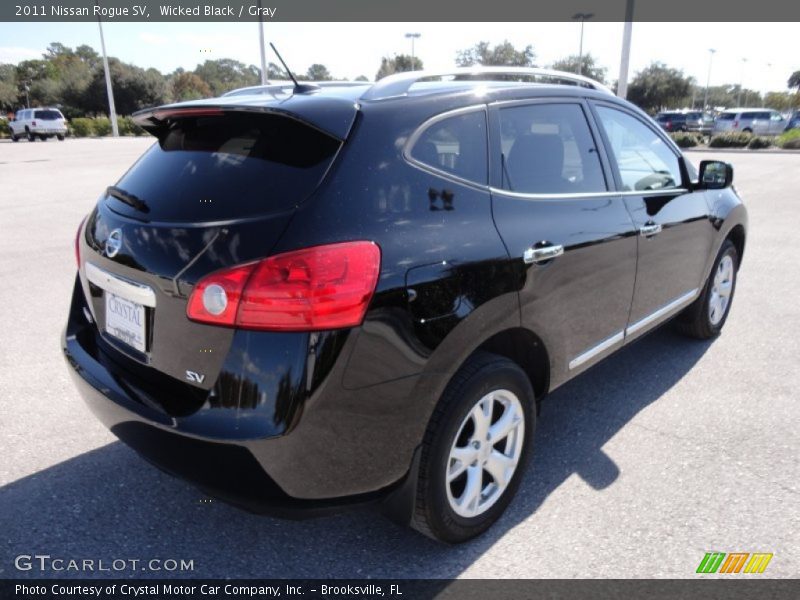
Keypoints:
pixel 341 448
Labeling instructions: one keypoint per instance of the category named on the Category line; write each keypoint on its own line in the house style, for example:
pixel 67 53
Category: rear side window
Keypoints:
pixel 549 149
pixel 455 145
pixel 644 160
pixel 727 116
pixel 226 167
pixel 47 115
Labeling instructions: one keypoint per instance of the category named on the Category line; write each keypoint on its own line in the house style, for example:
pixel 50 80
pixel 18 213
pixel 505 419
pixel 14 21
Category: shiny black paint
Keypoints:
pixel 334 415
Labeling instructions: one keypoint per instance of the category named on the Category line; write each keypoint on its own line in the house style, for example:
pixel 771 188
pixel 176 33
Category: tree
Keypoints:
pixel 590 68
pixel 398 64
pixel 9 93
pixel 781 100
pixel 504 54
pixel 318 72
pixel 362 78
pixel 134 88
pixel 794 81
pixel 187 86
pixel 658 86
pixel 226 74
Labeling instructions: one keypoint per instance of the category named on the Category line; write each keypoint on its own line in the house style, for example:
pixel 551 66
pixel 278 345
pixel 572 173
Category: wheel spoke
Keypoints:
pixel 724 288
pixel 472 492
pixel 499 465
pixel 482 418
pixel 504 425
pixel 460 459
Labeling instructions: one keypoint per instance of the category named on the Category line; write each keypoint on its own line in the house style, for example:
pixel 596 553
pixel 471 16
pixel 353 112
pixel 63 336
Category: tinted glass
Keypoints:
pixel 645 161
pixel 216 168
pixel 727 116
pixel 549 149
pixel 47 115
pixel 455 145
pixel 694 116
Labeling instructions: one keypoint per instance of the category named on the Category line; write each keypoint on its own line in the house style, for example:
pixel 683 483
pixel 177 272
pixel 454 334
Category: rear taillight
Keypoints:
pixel 735 124
pixel 78 242
pixel 324 287
pixel 668 126
pixel 33 123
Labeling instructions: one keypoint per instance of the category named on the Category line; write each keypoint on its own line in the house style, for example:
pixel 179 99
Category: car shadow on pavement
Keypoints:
pixel 109 504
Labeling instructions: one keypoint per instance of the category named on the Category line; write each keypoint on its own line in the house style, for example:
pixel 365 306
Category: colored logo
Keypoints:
pixel 735 562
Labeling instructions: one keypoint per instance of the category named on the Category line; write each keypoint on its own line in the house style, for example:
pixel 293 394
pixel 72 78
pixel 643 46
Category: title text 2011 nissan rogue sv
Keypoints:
pixel 302 299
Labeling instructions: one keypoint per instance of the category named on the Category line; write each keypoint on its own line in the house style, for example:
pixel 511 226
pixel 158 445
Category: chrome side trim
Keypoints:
pixel 135 292
pixel 595 350
pixel 608 194
pixel 663 311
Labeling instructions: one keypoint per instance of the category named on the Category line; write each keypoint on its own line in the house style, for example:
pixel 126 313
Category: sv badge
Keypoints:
pixel 194 377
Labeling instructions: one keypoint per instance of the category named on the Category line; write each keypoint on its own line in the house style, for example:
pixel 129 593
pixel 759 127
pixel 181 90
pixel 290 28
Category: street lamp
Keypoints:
pixel 261 47
pixel 582 17
pixel 711 52
pixel 625 55
pixel 112 111
pixel 741 85
pixel 413 37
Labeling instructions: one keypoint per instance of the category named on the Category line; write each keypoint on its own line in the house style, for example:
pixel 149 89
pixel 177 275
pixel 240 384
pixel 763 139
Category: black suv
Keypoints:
pixel 305 299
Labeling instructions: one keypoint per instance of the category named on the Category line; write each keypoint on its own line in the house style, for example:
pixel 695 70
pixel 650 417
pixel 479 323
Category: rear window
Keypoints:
pixel 47 115
pixel 227 167
pixel 727 116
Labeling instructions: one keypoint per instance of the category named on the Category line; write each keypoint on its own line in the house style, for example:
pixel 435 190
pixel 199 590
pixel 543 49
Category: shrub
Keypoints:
pixel 789 140
pixel 686 140
pixel 737 139
pixel 759 142
pixel 81 127
pixel 128 127
pixel 102 126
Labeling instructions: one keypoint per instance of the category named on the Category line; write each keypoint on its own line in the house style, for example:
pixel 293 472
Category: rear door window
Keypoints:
pixel 47 115
pixel 549 149
pixel 455 145
pixel 224 167
pixel 726 116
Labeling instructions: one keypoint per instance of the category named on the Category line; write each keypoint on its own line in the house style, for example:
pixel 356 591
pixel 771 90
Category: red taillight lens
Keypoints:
pixel 735 124
pixel 324 287
pixel 669 126
pixel 33 123
pixel 78 243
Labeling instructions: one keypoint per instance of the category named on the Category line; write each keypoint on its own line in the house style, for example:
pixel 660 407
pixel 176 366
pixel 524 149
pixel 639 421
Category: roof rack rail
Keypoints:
pixel 399 83
pixel 280 86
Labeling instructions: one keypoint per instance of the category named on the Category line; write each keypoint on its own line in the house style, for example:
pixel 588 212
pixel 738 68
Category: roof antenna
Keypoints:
pixel 299 88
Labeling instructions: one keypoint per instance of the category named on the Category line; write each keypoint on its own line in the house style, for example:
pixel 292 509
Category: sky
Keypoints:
pixel 771 50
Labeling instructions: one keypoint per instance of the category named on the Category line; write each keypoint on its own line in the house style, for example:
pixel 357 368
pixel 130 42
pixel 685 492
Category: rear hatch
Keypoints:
pixel 216 190
pixel 48 120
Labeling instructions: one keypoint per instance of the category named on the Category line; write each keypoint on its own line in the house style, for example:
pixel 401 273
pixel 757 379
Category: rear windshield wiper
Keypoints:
pixel 127 198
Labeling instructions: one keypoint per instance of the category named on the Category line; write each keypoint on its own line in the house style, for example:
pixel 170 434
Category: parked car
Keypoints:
pixel 360 294
pixel 38 122
pixel 759 121
pixel 793 122
pixel 694 121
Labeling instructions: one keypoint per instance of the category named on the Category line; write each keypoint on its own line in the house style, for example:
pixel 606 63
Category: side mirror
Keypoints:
pixel 715 175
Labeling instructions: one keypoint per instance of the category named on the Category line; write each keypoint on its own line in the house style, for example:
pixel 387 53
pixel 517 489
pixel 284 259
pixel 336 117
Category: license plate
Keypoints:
pixel 125 320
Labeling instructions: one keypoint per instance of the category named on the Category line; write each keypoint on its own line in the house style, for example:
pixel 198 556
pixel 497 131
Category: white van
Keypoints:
pixel 38 122
pixel 760 121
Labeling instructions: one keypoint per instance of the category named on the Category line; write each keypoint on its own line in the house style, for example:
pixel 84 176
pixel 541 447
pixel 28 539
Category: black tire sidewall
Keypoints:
pixel 445 523
pixel 728 249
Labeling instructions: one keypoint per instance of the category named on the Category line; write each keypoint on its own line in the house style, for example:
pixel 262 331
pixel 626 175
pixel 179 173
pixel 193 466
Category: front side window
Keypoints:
pixel 644 160
pixel 549 149
pixel 455 145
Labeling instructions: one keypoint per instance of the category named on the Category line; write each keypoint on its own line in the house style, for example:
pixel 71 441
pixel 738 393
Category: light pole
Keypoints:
pixel 261 45
pixel 112 110
pixel 708 78
pixel 582 17
pixel 625 55
pixel 741 86
pixel 413 37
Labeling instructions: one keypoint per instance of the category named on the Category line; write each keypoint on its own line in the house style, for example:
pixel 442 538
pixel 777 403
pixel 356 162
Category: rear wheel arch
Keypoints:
pixel 527 350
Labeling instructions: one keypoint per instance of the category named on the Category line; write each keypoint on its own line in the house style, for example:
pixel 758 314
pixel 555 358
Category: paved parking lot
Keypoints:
pixel 669 449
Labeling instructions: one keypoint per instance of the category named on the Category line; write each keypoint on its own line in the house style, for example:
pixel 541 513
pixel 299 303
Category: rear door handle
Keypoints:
pixel 650 230
pixel 543 254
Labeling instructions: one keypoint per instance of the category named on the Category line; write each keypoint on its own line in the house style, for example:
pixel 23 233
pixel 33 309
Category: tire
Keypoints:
pixel 486 383
pixel 699 320
pixel 14 137
pixel 747 130
pixel 31 137
pixel 60 138
pixel 43 138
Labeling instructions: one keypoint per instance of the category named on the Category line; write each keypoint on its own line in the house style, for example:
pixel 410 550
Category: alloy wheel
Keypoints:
pixel 721 290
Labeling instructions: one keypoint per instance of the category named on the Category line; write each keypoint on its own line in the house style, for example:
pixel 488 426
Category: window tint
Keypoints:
pixel 727 116
pixel 222 167
pixel 644 159
pixel 47 115
pixel 455 145
pixel 549 149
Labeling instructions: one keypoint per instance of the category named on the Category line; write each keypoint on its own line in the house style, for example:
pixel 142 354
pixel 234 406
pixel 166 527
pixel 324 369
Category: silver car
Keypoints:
pixel 760 121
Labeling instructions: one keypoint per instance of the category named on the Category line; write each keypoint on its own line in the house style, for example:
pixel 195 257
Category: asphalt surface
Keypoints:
pixel 667 450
